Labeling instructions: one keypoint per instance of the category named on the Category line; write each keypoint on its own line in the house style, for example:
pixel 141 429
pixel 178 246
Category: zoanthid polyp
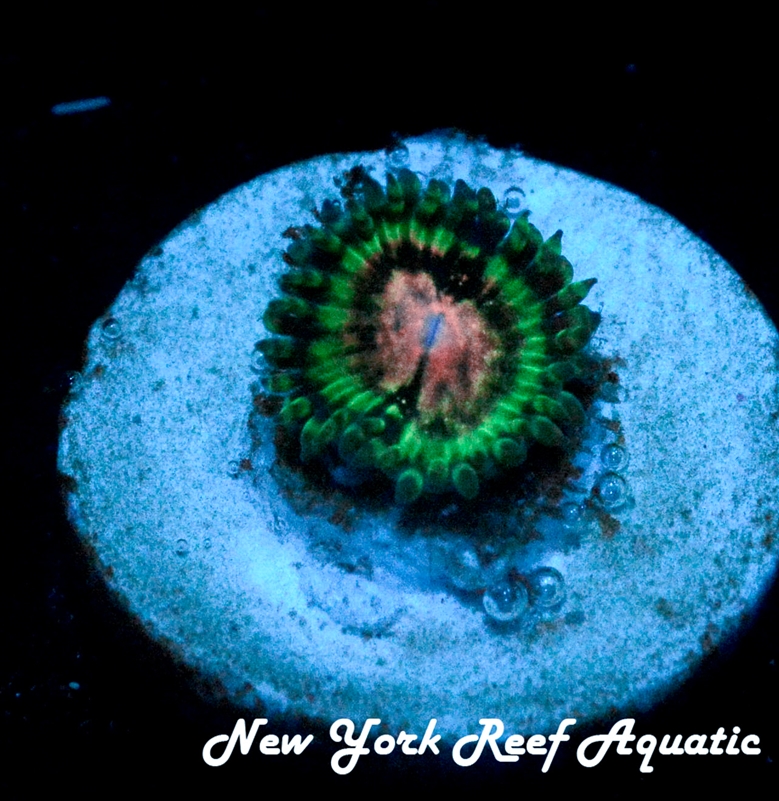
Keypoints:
pixel 422 334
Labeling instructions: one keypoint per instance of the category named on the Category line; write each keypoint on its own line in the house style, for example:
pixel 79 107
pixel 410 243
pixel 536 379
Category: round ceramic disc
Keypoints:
pixel 305 600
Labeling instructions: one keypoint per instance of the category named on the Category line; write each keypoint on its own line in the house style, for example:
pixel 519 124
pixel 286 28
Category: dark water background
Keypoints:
pixel 199 106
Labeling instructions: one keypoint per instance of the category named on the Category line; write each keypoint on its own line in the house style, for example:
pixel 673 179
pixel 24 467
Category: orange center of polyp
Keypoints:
pixel 428 339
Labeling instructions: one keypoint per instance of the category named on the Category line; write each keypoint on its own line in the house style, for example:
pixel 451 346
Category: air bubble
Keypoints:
pixel 234 468
pixel 398 156
pixel 207 543
pixel 73 381
pixel 506 601
pixel 613 457
pixel 513 198
pixel 612 491
pixel 258 363
pixel 182 547
pixel 572 514
pixel 547 588
pixel 110 329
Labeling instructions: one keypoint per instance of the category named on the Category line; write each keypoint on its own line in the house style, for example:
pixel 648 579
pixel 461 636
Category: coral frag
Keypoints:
pixel 422 334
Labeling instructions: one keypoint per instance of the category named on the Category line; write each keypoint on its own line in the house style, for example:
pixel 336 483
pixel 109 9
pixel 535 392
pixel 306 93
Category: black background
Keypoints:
pixel 199 106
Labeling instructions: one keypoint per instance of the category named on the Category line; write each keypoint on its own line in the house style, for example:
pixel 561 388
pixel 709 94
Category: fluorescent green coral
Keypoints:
pixel 323 355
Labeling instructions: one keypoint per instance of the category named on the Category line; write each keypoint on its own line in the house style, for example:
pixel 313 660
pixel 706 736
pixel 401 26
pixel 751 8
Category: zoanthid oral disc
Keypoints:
pixel 423 334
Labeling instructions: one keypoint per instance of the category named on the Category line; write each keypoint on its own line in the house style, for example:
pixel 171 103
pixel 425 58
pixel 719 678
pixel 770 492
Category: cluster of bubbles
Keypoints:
pixel 611 489
pixel 398 157
pixel 507 594
pixel 183 548
pixel 510 599
pixel 513 581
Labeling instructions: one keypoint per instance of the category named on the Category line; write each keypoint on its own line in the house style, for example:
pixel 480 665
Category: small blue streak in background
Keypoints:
pixel 79 106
